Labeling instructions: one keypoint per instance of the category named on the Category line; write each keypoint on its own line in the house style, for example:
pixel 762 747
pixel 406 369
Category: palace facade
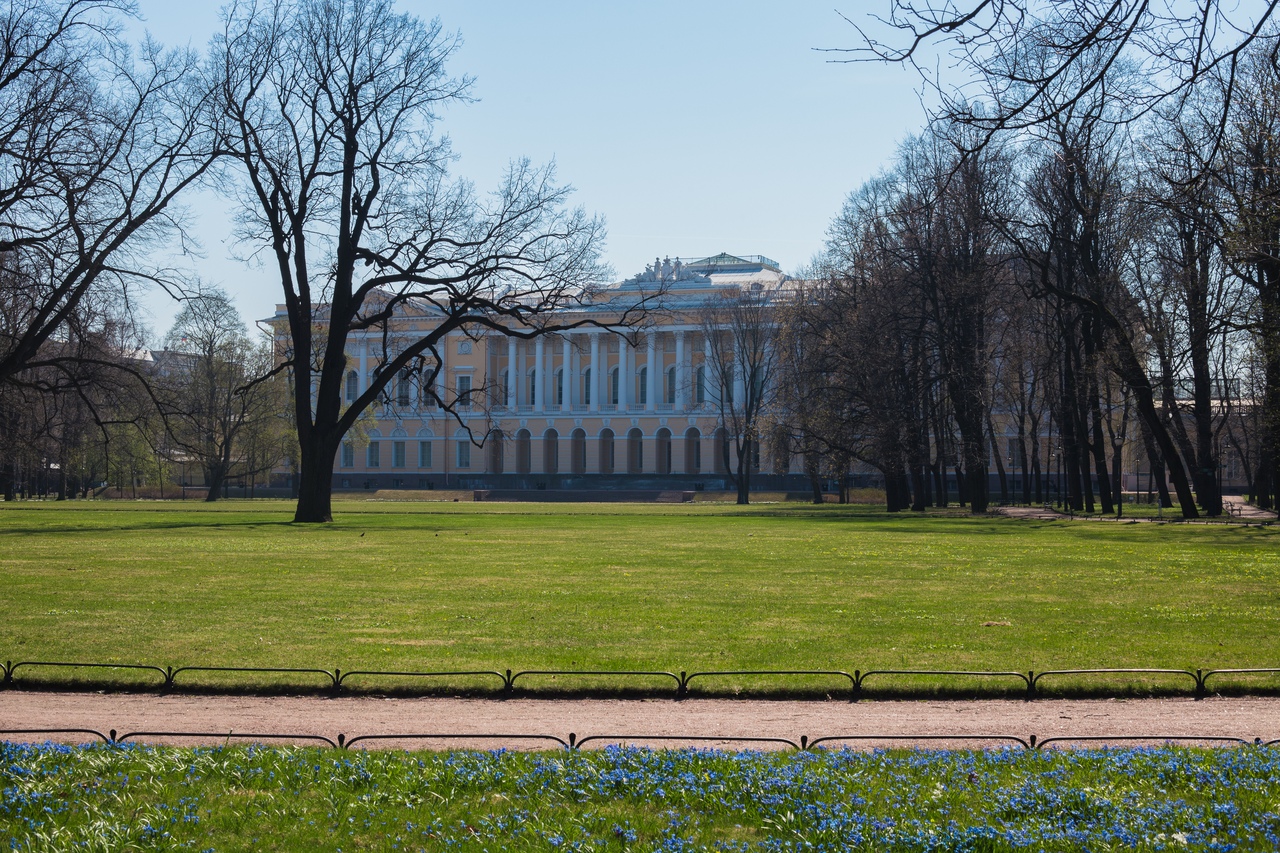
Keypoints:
pixel 583 409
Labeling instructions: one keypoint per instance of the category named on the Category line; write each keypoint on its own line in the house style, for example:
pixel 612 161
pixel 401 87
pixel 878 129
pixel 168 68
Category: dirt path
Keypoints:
pixel 711 718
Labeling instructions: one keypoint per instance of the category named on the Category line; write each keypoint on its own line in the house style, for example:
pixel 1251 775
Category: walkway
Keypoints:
pixel 627 719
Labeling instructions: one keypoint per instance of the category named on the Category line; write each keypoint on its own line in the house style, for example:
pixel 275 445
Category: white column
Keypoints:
pixel 624 384
pixel 710 377
pixel 596 383
pixel 539 378
pixel 682 376
pixel 513 374
pixel 738 396
pixel 651 373
pixel 568 374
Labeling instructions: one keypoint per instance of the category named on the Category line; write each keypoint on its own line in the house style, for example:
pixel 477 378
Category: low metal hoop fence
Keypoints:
pixel 573 741
pixel 509 681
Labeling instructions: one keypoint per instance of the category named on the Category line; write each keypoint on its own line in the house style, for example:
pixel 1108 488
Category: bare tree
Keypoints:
pixel 1018 64
pixel 209 387
pixel 329 115
pixel 95 146
pixel 742 331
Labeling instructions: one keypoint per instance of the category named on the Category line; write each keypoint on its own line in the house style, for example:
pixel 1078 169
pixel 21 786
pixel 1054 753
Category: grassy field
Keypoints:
pixel 237 798
pixel 393 586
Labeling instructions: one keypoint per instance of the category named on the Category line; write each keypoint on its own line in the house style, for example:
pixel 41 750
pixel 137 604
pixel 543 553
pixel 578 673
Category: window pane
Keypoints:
pixel 424 454
pixel 464 454
pixel 375 454
pixel 397 454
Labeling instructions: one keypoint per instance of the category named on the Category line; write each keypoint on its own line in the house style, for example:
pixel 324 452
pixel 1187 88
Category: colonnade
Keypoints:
pixel 528 372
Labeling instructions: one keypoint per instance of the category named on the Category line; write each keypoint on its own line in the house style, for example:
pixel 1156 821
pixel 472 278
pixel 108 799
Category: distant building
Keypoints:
pixel 576 410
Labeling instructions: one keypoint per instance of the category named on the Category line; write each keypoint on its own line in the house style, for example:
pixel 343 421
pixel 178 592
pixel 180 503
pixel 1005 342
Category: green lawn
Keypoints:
pixel 672 587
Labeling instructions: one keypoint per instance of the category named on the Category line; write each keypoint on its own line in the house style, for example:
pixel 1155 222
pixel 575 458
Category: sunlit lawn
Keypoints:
pixel 225 799
pixel 670 587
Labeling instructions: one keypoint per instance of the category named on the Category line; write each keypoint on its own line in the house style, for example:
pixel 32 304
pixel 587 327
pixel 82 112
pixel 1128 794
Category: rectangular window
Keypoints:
pixel 697 455
pixel 424 454
pixel 613 387
pixel 348 455
pixel 464 454
pixel 464 390
pixel 402 390
pixel 375 454
pixel 397 454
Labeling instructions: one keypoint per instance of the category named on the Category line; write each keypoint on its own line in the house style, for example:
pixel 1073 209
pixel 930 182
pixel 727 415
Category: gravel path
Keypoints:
pixel 625 720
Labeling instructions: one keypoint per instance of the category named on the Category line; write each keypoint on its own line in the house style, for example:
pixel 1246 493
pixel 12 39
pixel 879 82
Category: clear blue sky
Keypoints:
pixel 692 127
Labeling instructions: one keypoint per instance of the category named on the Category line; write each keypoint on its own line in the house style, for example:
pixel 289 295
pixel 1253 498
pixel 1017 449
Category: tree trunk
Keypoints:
pixel 315 478
pixel 215 475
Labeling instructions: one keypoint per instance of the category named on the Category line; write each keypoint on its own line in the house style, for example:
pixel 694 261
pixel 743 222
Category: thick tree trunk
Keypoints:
pixel 315 479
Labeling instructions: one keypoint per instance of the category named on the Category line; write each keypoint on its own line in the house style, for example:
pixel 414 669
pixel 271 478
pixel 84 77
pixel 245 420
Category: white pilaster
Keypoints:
pixel 624 374
pixel 568 374
pixel 651 373
pixel 513 373
pixel 710 377
pixel 539 377
pixel 596 370
pixel 682 376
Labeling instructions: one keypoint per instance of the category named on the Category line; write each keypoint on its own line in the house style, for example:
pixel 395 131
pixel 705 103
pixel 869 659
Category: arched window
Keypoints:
pixel 662 447
pixel 721 450
pixel 586 386
pixel 692 451
pixel 424 448
pixel 551 452
pixel 524 452
pixel 613 387
pixel 494 460
pixel 635 451
pixel 701 386
pixel 403 388
pixel 463 449
pixel 671 386
pixel 578 452
pixel 643 397
pixel 606 451
pixel 353 386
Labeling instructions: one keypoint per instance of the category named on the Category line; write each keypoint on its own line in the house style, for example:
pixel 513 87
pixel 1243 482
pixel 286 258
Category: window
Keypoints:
pixel 504 393
pixel 586 386
pixel 701 390
pixel 533 387
pixel 644 385
pixel 464 453
pixel 397 454
pixel 353 386
pixel 671 386
pixel 402 388
pixel 424 454
pixel 374 459
pixel 613 387
pixel 464 390
pixel 348 455
pixel 560 387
